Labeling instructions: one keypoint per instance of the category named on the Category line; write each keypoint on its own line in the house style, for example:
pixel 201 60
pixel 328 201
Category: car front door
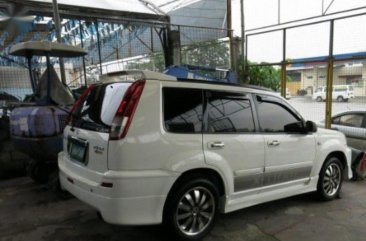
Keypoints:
pixel 289 157
pixel 230 140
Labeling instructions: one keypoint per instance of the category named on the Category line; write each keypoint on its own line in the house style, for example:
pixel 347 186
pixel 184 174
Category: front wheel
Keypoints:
pixel 330 179
pixel 340 99
pixel 319 99
pixel 192 209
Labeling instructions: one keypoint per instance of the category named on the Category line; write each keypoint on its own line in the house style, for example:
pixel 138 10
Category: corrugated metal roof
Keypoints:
pixel 203 13
pixel 116 5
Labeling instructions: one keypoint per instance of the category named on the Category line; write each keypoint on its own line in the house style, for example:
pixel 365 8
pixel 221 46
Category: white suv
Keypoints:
pixel 341 93
pixel 146 148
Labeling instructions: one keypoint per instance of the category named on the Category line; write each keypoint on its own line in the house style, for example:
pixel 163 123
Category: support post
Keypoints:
pixel 33 82
pixel 230 35
pixel 283 66
pixel 243 52
pixel 329 92
pixel 82 45
pixel 48 78
pixel 99 50
pixel 174 45
pixel 56 18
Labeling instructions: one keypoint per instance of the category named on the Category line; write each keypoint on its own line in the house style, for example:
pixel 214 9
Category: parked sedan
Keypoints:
pixel 353 125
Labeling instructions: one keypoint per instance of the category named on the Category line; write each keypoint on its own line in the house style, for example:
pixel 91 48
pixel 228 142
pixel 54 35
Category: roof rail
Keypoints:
pixel 141 74
pixel 225 83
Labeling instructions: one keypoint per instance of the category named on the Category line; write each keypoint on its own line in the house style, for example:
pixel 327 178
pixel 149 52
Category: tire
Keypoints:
pixel 37 170
pixel 330 179
pixel 191 210
pixel 340 99
pixel 319 99
pixel 40 171
pixel 53 183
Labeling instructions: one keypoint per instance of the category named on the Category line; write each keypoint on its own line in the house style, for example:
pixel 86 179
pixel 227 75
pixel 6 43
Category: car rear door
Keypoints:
pixel 86 137
pixel 230 140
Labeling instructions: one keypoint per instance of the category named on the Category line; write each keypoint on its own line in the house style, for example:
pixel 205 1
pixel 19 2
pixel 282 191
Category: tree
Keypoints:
pixel 212 53
pixel 155 62
pixel 264 75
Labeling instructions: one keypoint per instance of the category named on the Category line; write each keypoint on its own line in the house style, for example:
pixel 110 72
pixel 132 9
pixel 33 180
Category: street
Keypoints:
pixel 315 111
pixel 29 212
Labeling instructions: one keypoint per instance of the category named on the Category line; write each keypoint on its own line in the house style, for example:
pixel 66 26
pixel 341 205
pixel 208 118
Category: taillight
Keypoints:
pixel 123 118
pixel 78 102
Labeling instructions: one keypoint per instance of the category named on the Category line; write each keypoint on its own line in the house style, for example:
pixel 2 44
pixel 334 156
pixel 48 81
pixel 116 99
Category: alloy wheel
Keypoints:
pixel 195 211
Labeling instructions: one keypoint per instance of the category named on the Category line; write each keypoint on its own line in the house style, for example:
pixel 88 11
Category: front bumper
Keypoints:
pixel 136 198
pixel 349 163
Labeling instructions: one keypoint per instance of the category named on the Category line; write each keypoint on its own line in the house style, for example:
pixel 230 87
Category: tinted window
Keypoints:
pixel 99 107
pixel 336 120
pixel 183 110
pixel 229 113
pixel 273 115
pixel 354 120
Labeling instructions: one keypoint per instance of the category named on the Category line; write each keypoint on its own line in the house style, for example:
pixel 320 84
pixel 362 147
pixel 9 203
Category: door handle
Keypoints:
pixel 216 144
pixel 274 143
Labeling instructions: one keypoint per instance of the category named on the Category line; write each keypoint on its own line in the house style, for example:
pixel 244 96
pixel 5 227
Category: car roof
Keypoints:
pixel 141 74
pixel 151 75
pixel 349 112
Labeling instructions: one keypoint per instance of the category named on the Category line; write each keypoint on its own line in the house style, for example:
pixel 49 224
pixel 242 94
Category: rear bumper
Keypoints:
pixel 136 198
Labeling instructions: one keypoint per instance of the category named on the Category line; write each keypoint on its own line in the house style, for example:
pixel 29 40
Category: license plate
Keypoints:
pixel 77 150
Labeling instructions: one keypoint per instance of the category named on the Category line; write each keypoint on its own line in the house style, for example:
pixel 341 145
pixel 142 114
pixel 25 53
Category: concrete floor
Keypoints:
pixel 28 212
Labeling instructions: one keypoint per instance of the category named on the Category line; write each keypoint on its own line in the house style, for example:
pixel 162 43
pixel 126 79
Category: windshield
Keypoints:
pixel 99 107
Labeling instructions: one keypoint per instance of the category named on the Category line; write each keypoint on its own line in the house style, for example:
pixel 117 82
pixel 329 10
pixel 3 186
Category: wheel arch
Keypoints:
pixel 206 173
pixel 341 156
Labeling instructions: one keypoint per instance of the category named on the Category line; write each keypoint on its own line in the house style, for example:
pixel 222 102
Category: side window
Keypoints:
pixel 182 110
pixel 336 120
pixel 354 120
pixel 229 113
pixel 273 116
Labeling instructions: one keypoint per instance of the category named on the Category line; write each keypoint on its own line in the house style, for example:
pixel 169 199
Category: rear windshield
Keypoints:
pixel 98 109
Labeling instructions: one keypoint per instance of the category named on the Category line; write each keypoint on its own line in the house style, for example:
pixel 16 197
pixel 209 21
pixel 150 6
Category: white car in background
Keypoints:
pixel 341 93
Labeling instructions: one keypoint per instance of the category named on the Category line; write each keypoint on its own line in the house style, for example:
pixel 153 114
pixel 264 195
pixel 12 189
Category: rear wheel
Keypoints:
pixel 53 183
pixel 191 211
pixel 340 99
pixel 40 171
pixel 37 170
pixel 330 179
pixel 319 99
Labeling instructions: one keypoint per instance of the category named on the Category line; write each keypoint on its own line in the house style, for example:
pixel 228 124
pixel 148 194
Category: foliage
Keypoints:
pixel 266 76
pixel 155 62
pixel 209 54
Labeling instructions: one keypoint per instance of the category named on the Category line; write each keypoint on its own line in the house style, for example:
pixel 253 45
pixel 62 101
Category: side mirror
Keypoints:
pixel 311 126
pixel 295 127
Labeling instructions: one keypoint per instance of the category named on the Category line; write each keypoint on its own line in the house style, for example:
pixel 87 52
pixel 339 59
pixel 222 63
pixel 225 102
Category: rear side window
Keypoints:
pixel 353 120
pixel 229 113
pixel 183 110
pixel 99 107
